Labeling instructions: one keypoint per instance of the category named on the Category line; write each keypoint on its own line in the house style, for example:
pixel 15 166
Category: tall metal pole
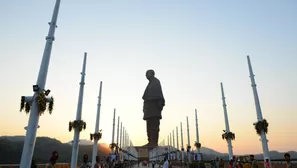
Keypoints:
pixel 197 133
pixel 124 136
pixel 29 142
pixel 188 131
pixel 171 148
pixel 75 143
pixel 182 140
pixel 118 129
pixel 127 141
pixel 129 150
pixel 173 140
pixel 226 122
pixel 258 109
pixel 177 144
pixel 121 135
pixel 126 144
pixel 168 148
pixel 95 145
pixel 123 141
pixel 113 127
pixel 173 144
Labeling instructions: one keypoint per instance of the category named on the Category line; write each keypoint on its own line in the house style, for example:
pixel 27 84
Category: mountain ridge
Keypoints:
pixel 11 150
pixel 12 146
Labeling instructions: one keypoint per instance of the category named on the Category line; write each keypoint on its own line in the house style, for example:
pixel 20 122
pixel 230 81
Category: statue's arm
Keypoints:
pixel 162 102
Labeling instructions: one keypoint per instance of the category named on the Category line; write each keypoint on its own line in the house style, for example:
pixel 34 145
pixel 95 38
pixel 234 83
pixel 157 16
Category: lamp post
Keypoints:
pixel 97 135
pixel 261 121
pixel 78 124
pixel 31 101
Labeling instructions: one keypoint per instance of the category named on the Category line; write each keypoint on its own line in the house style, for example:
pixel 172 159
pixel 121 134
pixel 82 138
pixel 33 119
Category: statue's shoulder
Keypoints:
pixel 156 80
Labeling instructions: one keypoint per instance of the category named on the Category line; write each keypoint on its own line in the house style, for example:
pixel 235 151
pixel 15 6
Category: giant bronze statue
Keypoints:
pixel 152 107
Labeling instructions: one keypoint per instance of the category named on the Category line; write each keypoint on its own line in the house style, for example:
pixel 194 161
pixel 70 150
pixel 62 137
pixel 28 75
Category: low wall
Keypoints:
pixel 260 165
pixel 58 165
pixel 207 165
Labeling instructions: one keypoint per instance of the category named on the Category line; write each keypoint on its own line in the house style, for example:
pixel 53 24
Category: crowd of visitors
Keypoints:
pixel 234 162
pixel 107 162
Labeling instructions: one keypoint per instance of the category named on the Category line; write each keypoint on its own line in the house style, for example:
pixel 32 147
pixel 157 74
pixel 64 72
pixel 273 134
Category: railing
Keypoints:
pixel 58 165
pixel 274 164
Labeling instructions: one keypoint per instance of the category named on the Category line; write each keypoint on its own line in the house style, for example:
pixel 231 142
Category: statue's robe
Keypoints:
pixel 153 100
pixel 152 107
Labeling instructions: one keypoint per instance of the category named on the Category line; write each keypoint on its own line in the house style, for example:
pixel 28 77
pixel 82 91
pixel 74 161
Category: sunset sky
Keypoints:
pixel 192 46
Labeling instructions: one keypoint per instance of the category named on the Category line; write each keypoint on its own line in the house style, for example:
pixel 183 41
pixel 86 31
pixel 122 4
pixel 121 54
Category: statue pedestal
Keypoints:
pixel 143 153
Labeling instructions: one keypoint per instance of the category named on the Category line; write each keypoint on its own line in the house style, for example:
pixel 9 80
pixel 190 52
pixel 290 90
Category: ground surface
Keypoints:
pixel 150 166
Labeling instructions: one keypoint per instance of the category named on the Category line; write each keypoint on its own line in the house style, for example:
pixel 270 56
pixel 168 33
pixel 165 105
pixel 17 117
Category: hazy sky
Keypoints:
pixel 192 46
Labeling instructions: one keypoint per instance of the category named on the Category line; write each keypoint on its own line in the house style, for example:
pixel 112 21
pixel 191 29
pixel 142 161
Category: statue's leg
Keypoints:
pixel 155 131
pixel 148 127
pixel 149 132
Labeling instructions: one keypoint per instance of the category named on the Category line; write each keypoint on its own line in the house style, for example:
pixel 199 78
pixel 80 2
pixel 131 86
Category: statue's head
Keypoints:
pixel 150 74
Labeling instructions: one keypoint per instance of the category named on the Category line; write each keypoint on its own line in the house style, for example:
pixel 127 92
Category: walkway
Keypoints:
pixel 150 166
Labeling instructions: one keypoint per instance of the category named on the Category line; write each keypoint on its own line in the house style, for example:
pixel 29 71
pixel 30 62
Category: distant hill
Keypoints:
pixel 209 154
pixel 13 138
pixel 12 146
pixel 82 142
pixel 274 155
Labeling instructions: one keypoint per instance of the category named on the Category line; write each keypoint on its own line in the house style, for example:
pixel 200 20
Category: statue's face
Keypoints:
pixel 149 74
